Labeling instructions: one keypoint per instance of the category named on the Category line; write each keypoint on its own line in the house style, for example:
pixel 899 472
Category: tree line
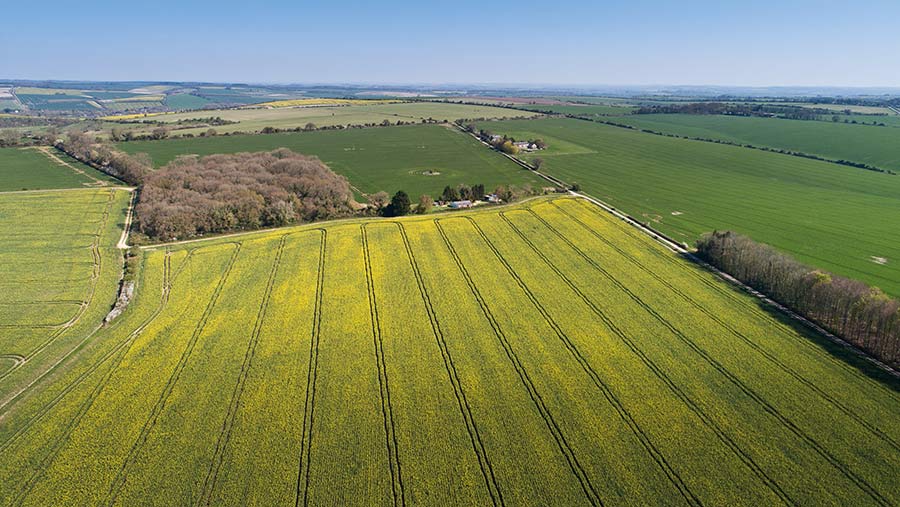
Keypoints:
pixel 129 168
pixel 400 204
pixel 463 193
pixel 165 130
pixel 764 110
pixel 862 315
pixel 193 196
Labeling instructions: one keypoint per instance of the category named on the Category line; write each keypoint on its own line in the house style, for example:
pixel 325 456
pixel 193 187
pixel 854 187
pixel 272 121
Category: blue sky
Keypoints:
pixel 786 42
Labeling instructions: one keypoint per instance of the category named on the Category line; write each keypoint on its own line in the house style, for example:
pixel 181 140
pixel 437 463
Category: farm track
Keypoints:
pixel 119 481
pixel 97 262
pixel 484 462
pixel 81 378
pixel 62 163
pixel 608 394
pixel 753 309
pixel 123 348
pixel 212 475
pixel 737 382
pixel 752 344
pixel 312 372
pixel 565 448
pixel 126 228
pixel 708 421
pixel 387 412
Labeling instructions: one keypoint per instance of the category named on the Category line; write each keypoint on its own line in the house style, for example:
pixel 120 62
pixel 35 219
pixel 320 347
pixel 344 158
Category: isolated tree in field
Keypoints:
pixel 399 205
pixel 425 204
pixel 211 133
pixel 115 134
pixel 310 126
pixel 537 163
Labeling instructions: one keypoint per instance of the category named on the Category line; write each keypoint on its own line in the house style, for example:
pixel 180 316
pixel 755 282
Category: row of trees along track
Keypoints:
pixel 860 314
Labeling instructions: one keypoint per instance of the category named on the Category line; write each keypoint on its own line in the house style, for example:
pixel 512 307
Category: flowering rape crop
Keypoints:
pixel 536 354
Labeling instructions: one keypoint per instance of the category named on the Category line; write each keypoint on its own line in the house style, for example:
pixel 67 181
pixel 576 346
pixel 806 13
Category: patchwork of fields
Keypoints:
pixel 876 146
pixel 255 119
pixel 536 354
pixel 838 218
pixel 45 168
pixel 580 109
pixel 389 159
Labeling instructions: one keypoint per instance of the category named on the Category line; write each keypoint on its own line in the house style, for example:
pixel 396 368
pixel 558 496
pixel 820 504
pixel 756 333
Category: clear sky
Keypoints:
pixel 725 42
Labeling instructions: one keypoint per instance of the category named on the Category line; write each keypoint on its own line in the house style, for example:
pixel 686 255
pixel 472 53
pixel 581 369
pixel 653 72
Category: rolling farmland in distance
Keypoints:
pixel 567 358
pixel 876 146
pixel 388 159
pixel 586 110
pixel 831 216
pixel 255 119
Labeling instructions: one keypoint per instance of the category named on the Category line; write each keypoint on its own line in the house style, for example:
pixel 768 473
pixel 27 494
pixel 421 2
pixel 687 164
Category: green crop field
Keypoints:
pixel 45 168
pixel 877 146
pixel 539 354
pixel 185 101
pixel 255 119
pixel 58 277
pixel 374 159
pixel 834 217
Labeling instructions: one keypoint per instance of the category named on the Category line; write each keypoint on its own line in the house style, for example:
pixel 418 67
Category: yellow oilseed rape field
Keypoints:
pixel 543 353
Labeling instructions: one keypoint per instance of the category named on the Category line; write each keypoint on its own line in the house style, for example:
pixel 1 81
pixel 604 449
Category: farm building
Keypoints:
pixel 460 204
pixel 526 145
